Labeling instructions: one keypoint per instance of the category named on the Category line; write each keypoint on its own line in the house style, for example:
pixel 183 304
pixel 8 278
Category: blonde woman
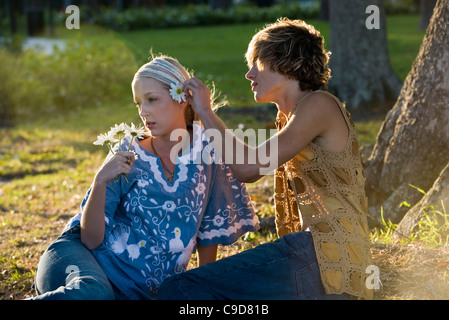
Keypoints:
pixel 136 231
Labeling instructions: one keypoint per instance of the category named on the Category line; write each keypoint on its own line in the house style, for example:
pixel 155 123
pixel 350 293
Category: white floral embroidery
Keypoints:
pixel 200 188
pixel 229 231
pixel 170 206
pixel 142 183
pixel 218 221
pixel 160 218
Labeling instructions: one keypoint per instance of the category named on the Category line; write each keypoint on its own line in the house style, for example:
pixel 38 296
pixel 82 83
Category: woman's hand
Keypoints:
pixel 120 163
pixel 198 95
pixel 92 219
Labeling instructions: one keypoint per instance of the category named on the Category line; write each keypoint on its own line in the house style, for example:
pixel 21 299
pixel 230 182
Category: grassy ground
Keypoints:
pixel 35 206
pixel 47 164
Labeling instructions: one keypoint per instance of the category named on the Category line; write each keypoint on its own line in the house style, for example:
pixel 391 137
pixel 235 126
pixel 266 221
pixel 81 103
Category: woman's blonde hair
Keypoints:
pixel 293 48
pixel 169 71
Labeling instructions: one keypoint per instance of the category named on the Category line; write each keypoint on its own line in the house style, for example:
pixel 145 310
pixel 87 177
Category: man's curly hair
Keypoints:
pixel 293 48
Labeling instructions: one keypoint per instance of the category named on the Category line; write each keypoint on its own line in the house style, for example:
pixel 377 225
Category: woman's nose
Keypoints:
pixel 143 110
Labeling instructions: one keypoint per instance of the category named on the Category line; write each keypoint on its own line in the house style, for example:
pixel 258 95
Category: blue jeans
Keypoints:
pixel 285 269
pixel 68 271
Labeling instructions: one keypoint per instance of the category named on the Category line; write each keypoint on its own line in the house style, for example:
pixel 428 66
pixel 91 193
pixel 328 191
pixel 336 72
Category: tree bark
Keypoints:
pixel 425 11
pixel 12 16
pixel 412 146
pixel 361 72
pixel 324 10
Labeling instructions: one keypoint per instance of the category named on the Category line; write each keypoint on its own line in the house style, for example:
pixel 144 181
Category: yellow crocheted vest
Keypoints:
pixel 324 191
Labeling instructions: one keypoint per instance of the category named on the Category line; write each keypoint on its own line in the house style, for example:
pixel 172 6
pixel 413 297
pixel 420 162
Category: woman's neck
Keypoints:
pixel 165 143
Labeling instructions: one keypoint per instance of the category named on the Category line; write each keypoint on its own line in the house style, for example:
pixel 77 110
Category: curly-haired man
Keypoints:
pixel 320 203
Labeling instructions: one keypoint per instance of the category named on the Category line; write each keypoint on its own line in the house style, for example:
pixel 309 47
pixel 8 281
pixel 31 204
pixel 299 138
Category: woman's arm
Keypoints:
pixel 92 218
pixel 206 254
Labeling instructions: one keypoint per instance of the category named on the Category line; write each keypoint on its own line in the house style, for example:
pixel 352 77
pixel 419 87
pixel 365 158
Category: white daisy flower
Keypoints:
pixel 134 132
pixel 176 92
pixel 106 139
pixel 119 129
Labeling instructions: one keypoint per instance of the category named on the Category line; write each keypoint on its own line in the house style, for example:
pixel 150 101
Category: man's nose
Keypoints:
pixel 250 74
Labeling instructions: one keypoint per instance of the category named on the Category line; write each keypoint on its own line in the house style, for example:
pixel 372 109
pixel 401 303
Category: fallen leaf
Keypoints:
pixel 441 265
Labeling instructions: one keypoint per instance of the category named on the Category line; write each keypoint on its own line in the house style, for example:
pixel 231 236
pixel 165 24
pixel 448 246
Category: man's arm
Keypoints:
pixel 316 117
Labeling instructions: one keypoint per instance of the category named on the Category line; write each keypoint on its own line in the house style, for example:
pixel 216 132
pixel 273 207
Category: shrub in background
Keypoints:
pixel 203 14
pixel 9 82
pixel 85 74
pixel 198 15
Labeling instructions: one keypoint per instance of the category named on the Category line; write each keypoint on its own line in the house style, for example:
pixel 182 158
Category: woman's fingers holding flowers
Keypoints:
pixel 128 159
pixel 120 163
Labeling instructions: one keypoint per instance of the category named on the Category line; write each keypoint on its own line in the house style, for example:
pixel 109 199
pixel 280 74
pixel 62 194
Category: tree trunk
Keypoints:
pixel 324 10
pixel 361 70
pixel 425 11
pixel 34 10
pixel 412 146
pixel 12 16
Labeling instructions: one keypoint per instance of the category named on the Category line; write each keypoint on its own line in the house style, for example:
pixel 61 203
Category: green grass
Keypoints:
pixel 367 130
pixel 404 40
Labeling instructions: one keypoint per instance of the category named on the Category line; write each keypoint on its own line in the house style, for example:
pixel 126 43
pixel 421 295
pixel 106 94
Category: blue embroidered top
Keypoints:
pixel 152 226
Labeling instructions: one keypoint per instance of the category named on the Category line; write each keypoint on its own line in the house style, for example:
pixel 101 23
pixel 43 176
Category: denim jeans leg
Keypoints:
pixel 68 271
pixel 286 269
